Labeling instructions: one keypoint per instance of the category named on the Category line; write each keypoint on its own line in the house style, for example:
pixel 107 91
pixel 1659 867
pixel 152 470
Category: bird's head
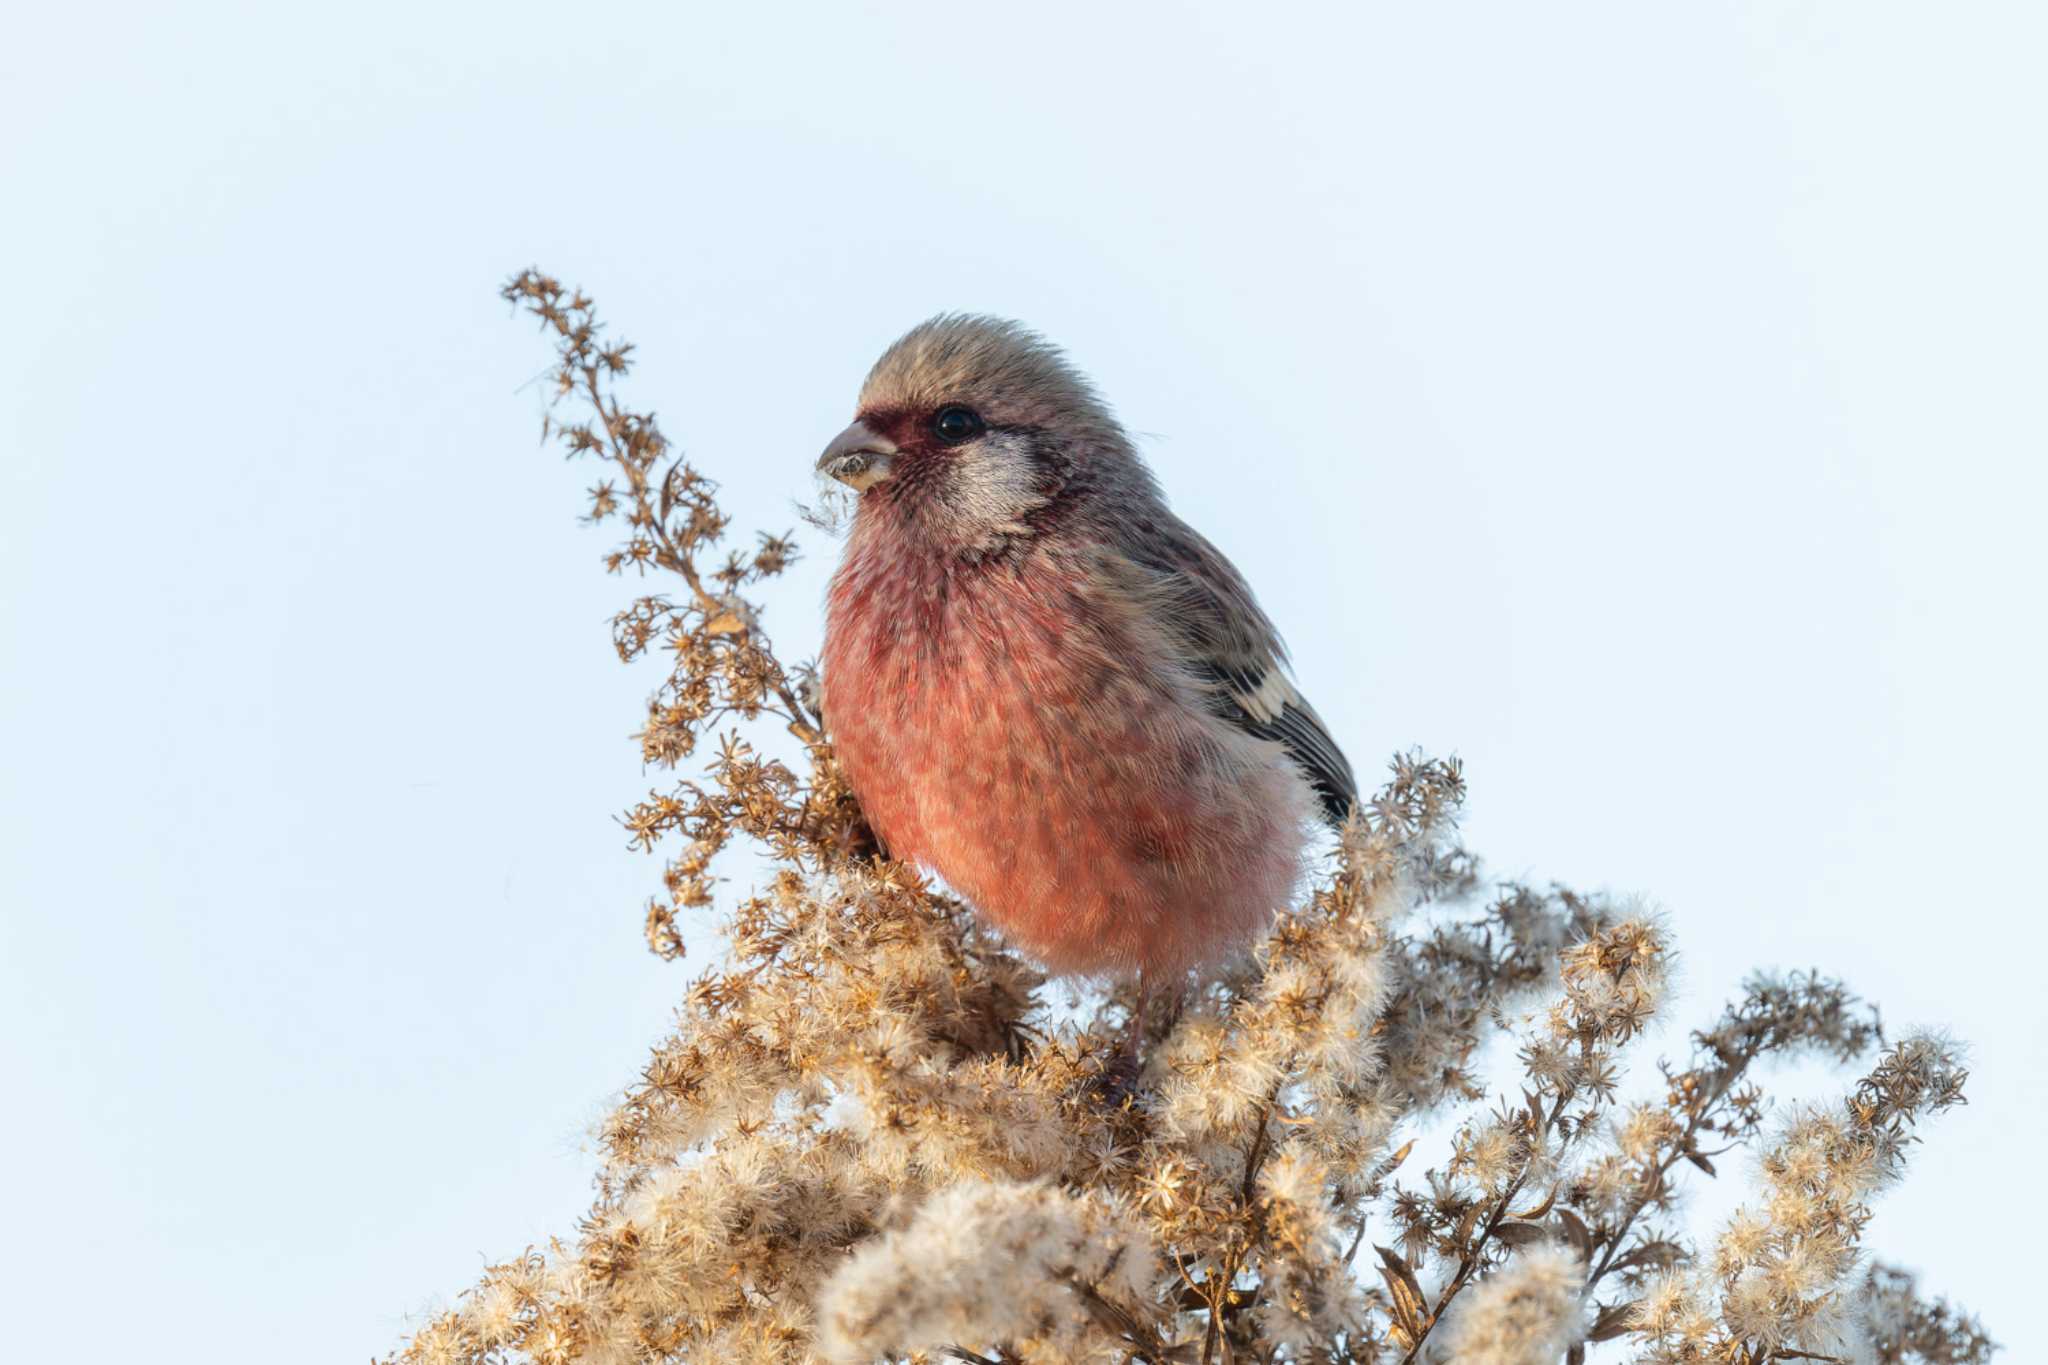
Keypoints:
pixel 969 428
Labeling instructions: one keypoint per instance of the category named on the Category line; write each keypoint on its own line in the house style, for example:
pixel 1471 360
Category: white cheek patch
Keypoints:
pixel 997 483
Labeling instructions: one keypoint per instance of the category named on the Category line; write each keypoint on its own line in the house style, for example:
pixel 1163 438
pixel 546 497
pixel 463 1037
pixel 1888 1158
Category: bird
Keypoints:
pixel 1045 687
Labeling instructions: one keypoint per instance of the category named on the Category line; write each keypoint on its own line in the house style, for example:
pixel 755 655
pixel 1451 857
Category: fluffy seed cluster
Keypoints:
pixel 1781 1273
pixel 875 1133
pixel 1525 1313
pixel 1021 1268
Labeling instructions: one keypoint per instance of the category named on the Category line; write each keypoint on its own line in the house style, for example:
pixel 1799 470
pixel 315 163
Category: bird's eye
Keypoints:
pixel 956 424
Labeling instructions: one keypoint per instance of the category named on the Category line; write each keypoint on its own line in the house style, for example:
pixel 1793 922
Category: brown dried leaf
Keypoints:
pixel 1650 1253
pixel 1521 1234
pixel 1535 1214
pixel 1411 1309
pixel 1613 1320
pixel 725 623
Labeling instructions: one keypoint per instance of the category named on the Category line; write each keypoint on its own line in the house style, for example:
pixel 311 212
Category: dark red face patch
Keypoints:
pixel 921 458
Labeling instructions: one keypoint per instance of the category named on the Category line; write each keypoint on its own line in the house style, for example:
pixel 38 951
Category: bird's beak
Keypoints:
pixel 857 457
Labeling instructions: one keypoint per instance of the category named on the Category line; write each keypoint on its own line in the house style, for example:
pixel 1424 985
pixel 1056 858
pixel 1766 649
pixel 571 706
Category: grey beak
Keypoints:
pixel 857 457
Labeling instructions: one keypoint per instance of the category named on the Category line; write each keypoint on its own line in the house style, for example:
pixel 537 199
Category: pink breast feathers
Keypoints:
pixel 1007 728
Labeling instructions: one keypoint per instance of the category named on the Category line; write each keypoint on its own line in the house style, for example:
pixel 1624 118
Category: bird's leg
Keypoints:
pixel 1132 1042
pixel 1126 1060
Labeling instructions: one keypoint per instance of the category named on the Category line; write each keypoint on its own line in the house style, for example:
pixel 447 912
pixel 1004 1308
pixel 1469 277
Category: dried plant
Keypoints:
pixel 877 1134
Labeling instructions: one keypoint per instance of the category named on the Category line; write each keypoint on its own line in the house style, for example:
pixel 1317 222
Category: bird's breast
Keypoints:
pixel 1013 727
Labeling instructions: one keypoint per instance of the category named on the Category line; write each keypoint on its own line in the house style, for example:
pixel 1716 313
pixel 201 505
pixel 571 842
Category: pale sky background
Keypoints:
pixel 1643 401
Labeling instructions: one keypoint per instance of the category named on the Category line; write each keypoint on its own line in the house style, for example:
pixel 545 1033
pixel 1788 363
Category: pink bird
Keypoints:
pixel 1042 684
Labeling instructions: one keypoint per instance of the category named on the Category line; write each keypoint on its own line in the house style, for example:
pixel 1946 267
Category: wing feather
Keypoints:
pixel 1268 706
pixel 1236 655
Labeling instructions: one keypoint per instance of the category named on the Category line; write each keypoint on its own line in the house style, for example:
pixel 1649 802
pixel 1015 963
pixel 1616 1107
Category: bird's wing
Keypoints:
pixel 1234 652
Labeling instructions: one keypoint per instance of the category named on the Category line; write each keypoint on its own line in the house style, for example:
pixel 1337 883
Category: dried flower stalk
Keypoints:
pixel 876 1134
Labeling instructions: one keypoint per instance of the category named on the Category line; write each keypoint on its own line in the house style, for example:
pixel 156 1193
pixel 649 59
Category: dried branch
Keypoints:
pixel 875 1133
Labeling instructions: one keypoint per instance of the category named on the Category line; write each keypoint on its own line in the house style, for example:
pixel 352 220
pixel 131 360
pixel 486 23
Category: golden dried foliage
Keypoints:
pixel 876 1134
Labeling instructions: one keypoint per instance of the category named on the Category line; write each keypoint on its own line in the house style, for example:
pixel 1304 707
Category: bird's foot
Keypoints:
pixel 1125 1065
pixel 1117 1083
